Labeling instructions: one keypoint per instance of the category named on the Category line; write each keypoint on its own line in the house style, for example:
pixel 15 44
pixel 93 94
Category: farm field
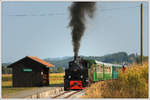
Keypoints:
pixel 54 78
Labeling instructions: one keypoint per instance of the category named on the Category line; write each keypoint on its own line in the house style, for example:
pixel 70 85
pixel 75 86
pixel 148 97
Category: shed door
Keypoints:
pixel 28 78
pixel 45 77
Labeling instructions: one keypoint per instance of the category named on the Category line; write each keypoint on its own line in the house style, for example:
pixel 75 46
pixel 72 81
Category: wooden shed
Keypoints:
pixel 30 71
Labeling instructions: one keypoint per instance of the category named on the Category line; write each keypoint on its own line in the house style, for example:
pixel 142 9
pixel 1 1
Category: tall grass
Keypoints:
pixel 93 91
pixel 133 83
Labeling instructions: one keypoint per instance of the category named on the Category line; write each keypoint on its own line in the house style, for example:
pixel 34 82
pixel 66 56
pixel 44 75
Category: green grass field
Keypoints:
pixel 54 78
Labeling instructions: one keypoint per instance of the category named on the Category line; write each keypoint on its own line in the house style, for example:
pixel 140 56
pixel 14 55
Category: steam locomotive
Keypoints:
pixel 76 76
pixel 82 73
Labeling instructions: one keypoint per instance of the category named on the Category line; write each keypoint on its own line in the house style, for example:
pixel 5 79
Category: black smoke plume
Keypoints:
pixel 78 12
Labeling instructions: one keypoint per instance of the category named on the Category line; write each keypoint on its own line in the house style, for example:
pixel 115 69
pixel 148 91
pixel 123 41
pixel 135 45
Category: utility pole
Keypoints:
pixel 141 33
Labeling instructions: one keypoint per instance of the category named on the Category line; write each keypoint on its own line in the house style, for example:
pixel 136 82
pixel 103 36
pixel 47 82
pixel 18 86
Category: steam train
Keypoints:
pixel 82 73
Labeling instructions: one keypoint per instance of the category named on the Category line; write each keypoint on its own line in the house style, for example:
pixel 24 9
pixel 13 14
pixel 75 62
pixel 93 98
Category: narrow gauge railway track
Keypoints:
pixel 71 94
pixel 66 94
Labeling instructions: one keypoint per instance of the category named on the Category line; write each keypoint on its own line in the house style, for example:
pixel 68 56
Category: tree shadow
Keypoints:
pixel 50 85
pixel 6 86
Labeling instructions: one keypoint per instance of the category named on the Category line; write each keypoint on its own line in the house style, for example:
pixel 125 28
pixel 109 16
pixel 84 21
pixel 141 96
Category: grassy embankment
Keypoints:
pixel 133 83
pixel 55 78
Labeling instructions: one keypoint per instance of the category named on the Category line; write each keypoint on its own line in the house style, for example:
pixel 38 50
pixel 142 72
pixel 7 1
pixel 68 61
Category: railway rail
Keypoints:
pixel 68 94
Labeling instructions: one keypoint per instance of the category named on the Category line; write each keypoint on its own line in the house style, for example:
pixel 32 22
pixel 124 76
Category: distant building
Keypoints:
pixel 30 71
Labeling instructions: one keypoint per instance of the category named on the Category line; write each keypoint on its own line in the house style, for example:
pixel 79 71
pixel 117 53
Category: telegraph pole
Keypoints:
pixel 141 33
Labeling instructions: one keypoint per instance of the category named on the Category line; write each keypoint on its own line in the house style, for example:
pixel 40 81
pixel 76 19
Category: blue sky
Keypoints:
pixel 41 29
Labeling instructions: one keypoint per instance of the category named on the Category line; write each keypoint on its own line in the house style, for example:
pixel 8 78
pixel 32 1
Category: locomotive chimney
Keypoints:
pixel 75 57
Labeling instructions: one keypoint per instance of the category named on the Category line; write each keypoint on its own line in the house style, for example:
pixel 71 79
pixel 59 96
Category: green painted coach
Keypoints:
pixel 99 71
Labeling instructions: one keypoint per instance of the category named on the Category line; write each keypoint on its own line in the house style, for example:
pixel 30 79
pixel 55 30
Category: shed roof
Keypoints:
pixel 41 61
pixel 35 59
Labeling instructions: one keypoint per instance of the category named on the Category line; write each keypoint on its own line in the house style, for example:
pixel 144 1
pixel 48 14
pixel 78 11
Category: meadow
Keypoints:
pixel 54 78
pixel 133 83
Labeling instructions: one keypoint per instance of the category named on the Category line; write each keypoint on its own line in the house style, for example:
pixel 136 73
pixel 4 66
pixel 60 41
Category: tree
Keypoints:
pixel 6 70
pixel 60 69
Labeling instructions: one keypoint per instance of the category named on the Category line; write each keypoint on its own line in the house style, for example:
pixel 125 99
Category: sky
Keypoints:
pixel 41 29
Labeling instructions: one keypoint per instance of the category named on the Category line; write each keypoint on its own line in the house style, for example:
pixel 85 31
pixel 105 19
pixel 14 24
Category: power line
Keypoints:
pixel 119 8
pixel 60 14
pixel 43 14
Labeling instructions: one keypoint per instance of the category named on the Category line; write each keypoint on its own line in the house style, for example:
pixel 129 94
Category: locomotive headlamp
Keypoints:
pixel 81 76
pixel 69 76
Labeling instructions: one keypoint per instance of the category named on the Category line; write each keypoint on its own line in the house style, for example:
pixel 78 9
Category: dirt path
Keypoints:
pixel 29 93
pixel 50 92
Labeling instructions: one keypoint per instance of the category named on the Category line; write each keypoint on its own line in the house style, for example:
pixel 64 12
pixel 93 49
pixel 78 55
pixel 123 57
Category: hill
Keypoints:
pixel 63 61
pixel 115 58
